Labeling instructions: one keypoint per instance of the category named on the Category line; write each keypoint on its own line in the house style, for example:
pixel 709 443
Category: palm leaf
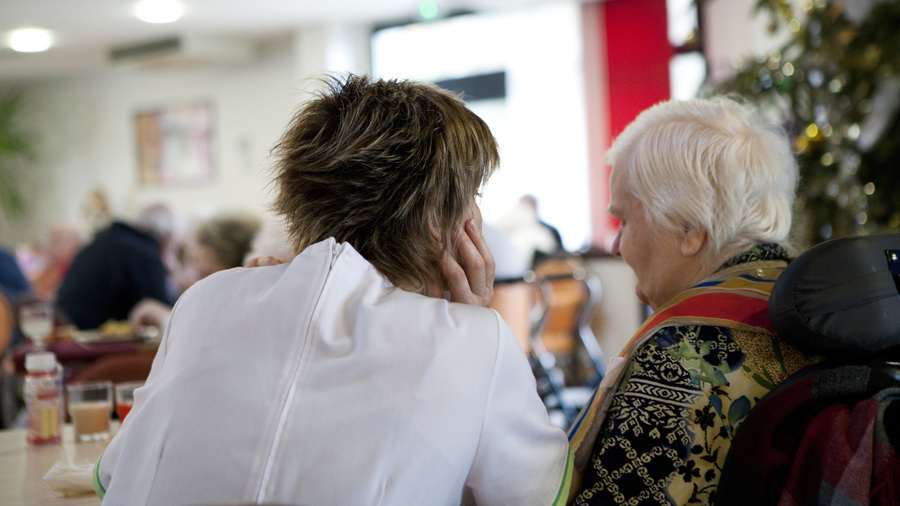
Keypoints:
pixel 17 148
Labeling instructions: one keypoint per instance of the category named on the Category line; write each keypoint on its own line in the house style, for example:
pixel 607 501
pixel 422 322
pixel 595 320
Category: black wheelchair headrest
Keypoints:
pixel 841 297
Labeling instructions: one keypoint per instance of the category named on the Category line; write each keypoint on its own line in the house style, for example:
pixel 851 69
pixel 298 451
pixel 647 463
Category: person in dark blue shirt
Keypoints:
pixel 121 266
pixel 12 279
pixel 13 286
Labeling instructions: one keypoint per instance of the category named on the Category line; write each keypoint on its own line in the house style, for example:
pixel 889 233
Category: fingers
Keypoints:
pixel 149 312
pixel 473 262
pixel 474 234
pixel 263 261
pixel 456 280
pixel 473 281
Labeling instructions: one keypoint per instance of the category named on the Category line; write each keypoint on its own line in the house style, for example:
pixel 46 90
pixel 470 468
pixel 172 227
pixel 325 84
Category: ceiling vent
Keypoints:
pixel 184 51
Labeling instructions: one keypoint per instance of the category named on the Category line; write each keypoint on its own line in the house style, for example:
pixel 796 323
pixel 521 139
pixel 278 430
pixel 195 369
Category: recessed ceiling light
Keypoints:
pixel 159 11
pixel 30 40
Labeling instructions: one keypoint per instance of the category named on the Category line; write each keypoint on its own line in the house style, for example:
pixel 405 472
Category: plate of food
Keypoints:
pixel 116 331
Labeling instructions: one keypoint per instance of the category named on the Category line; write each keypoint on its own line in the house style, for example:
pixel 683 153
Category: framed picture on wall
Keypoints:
pixel 174 145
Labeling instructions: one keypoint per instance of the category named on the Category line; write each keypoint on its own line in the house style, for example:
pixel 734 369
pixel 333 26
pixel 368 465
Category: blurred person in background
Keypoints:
pixel 345 376
pixel 121 266
pixel 13 282
pixel 217 244
pixel 704 191
pixel 222 242
pixel 271 242
pixel 13 287
pixel 535 238
pixel 63 243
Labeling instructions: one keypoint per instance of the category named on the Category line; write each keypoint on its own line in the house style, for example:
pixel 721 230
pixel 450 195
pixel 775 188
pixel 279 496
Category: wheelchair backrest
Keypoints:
pixel 830 433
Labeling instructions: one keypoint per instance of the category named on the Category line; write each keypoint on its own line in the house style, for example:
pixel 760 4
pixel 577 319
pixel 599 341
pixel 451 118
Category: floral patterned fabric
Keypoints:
pixel 683 395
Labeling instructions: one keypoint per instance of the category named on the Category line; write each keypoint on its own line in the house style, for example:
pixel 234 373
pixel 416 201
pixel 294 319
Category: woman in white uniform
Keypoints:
pixel 345 376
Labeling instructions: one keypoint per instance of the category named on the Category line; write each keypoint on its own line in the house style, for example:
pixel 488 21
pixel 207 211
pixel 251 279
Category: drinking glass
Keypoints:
pixel 125 397
pixel 90 407
pixel 36 321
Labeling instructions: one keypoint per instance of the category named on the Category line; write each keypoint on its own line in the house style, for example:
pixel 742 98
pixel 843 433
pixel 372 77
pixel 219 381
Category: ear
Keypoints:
pixel 693 241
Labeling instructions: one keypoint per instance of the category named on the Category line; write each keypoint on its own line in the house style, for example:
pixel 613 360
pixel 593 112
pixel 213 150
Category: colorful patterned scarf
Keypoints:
pixel 736 296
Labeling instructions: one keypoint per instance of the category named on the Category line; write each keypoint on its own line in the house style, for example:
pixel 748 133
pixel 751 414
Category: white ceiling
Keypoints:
pixel 85 30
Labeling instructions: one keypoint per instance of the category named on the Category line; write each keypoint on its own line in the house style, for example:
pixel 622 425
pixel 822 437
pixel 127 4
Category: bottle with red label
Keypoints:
pixel 43 398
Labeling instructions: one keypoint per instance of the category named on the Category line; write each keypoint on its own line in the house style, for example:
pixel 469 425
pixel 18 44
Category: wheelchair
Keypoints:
pixel 830 433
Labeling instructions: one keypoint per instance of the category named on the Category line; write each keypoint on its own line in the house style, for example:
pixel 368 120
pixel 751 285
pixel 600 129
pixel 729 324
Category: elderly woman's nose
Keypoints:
pixel 615 245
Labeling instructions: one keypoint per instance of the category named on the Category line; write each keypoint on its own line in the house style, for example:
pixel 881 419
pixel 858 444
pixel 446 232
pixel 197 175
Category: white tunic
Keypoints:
pixel 318 383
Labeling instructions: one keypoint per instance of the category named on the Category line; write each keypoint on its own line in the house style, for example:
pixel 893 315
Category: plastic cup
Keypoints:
pixel 90 408
pixel 125 397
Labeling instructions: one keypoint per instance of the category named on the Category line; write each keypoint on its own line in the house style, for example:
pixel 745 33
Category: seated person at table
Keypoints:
pixel 122 265
pixel 222 242
pixel 704 191
pixel 218 243
pixel 345 376
pixel 63 243
pixel 13 286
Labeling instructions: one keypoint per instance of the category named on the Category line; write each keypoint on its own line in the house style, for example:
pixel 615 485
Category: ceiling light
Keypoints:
pixel 29 40
pixel 159 11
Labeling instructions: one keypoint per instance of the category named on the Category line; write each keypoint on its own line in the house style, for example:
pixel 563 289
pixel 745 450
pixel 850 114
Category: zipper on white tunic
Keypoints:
pixel 287 400
pixel 335 251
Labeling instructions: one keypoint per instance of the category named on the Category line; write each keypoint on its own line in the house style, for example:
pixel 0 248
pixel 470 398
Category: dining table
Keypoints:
pixel 23 467
pixel 76 355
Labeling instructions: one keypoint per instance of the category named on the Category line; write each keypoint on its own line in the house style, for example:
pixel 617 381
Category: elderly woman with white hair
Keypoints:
pixel 704 191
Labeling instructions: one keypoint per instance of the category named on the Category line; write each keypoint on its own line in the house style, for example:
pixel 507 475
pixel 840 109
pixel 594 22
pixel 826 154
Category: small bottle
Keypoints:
pixel 43 398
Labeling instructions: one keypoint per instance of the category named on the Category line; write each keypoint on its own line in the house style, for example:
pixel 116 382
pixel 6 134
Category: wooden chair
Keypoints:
pixel 117 368
pixel 8 384
pixel 566 295
pixel 7 322
pixel 567 360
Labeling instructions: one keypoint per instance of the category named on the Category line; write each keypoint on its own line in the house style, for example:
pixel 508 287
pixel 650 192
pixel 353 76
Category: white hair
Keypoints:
pixel 716 164
pixel 156 220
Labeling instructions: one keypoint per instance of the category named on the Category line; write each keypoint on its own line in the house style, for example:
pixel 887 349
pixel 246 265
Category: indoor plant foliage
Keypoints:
pixel 17 151
pixel 836 85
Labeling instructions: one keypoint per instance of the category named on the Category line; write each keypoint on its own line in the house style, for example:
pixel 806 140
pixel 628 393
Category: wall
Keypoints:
pixel 88 138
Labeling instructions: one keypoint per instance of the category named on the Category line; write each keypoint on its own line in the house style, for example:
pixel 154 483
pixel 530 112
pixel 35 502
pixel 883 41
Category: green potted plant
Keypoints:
pixel 17 150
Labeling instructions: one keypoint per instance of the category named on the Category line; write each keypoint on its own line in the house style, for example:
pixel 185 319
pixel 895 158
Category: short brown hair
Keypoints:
pixel 228 237
pixel 376 163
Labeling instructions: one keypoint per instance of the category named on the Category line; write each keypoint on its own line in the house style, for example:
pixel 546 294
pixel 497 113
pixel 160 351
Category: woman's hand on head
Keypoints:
pixel 473 281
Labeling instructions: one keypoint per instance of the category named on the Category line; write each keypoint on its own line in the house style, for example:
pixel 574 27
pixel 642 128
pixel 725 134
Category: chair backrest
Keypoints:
pixel 562 294
pixel 566 358
pixel 840 298
pixel 566 295
pixel 8 395
pixel 832 429
pixel 117 368
pixel 7 321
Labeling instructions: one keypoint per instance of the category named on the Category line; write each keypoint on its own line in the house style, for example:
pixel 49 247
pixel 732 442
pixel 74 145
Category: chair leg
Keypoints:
pixel 551 389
